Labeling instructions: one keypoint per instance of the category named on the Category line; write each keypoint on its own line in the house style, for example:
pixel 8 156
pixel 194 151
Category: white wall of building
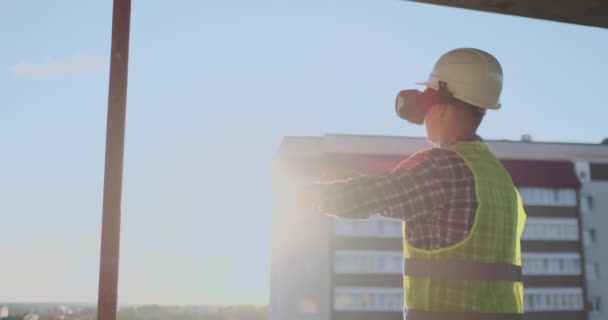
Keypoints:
pixel 595 235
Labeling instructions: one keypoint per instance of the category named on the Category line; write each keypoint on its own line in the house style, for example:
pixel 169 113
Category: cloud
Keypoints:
pixel 54 67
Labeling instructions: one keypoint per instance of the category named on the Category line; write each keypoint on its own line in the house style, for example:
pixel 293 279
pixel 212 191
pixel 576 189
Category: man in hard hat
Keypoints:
pixel 463 217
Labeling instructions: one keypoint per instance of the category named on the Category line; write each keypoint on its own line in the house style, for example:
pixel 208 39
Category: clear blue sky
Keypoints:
pixel 214 86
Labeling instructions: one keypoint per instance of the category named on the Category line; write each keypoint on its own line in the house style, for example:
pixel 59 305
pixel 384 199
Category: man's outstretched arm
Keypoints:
pixel 414 188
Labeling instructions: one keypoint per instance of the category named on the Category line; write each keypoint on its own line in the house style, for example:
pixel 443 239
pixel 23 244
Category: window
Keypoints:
pixel 551 229
pixel 397 263
pixel 582 170
pixel 592 270
pixel 356 297
pixel 395 301
pixel 343 301
pixel 362 261
pixel 368 299
pixel 528 301
pixel 382 263
pixel 589 237
pixel 381 299
pixel 545 264
pixel 586 204
pixel 594 304
pixel 576 266
pixel 553 299
pixel 397 228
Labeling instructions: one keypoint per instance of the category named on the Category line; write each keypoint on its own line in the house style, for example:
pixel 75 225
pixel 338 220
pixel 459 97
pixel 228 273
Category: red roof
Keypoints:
pixel 528 173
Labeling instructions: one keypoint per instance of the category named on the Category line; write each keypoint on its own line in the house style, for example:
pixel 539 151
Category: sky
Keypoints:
pixel 213 88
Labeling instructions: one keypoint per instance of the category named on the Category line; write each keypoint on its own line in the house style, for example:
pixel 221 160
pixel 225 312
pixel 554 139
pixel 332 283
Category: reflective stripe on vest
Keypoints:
pixel 461 270
pixel 431 315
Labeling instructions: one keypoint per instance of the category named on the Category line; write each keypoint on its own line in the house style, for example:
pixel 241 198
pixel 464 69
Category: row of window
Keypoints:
pixel 553 299
pixel 352 261
pixel 536 229
pixel 548 196
pixel 551 263
pixel 391 299
pixel 563 197
pixel 368 299
pixel 544 229
pixel 391 262
pixel 563 229
pixel 373 227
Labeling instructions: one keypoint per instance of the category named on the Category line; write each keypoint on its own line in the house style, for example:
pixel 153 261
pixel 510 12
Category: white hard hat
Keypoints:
pixel 471 75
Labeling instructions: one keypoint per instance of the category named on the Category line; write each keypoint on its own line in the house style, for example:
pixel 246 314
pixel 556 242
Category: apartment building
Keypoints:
pixel 327 268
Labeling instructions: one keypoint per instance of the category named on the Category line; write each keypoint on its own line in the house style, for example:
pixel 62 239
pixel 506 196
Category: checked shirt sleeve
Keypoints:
pixel 416 187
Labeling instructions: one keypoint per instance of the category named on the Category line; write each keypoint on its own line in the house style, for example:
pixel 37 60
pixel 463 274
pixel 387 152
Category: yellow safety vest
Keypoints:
pixel 478 278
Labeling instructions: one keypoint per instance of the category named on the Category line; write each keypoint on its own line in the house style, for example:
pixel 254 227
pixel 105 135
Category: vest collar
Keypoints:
pixel 461 139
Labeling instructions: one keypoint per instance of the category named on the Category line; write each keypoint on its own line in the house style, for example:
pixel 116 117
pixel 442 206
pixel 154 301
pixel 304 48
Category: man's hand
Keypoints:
pixel 307 198
pixel 338 174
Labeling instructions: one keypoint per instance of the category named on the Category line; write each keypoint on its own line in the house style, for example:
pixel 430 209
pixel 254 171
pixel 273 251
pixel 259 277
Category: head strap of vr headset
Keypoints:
pixel 444 96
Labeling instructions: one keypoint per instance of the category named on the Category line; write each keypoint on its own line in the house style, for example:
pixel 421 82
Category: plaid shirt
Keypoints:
pixel 434 191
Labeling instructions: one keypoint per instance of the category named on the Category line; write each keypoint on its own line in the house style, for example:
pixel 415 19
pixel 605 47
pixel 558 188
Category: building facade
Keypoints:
pixel 594 215
pixel 324 268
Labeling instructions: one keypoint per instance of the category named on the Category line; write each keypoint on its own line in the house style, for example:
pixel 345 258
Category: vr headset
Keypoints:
pixel 412 105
